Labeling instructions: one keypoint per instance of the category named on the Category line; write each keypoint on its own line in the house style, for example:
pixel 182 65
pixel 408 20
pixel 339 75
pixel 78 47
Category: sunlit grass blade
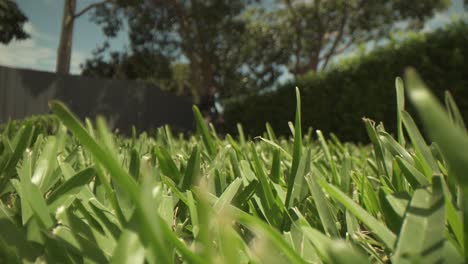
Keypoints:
pixel 167 165
pixel 276 146
pixel 205 133
pixel 334 172
pixel 342 253
pixel 24 138
pixel 414 177
pixel 275 173
pixel 101 155
pixel 450 138
pixel 33 196
pixel 420 145
pixel 394 147
pixel 234 144
pixel 268 200
pixel 103 218
pixel 300 189
pixel 297 149
pixel 271 133
pixel 45 164
pixel 400 95
pixel 454 220
pixel 453 111
pixel 192 171
pixel 378 149
pixel 323 206
pixel 72 186
pixel 14 238
pixel 393 209
pixel 240 130
pixel 134 167
pixel 268 231
pixel 377 227
pixel 124 179
pixel 228 195
pixel 422 232
pixel 129 249
pixel 77 243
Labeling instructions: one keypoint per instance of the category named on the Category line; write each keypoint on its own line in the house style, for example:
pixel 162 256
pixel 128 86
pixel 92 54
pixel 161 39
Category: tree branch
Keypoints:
pixel 297 27
pixel 337 40
pixel 89 7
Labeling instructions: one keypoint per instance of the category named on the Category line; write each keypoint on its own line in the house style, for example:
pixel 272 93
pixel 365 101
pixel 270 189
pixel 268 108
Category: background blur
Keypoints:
pixel 343 55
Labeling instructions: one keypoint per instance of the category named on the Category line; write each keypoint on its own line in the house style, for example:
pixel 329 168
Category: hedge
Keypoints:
pixel 337 100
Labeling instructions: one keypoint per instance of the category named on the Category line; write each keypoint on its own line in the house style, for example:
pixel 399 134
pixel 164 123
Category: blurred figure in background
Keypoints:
pixel 211 107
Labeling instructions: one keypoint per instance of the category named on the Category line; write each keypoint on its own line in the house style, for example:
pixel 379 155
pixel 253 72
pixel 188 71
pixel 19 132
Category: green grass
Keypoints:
pixel 80 194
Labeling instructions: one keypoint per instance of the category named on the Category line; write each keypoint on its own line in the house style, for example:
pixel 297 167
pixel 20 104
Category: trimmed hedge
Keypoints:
pixel 336 101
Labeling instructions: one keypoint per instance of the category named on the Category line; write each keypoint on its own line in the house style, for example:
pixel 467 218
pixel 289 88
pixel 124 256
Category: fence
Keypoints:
pixel 123 103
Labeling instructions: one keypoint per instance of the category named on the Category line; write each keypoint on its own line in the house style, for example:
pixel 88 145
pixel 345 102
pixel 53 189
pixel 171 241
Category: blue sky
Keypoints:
pixel 39 52
pixel 45 16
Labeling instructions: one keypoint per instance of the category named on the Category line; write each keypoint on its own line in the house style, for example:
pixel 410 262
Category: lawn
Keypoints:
pixel 85 195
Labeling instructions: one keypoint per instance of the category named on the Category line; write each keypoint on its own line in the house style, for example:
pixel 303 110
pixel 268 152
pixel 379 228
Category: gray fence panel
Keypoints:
pixel 123 103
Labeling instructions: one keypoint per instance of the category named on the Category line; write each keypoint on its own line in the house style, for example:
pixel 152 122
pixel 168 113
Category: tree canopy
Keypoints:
pixel 321 29
pixel 12 21
pixel 242 46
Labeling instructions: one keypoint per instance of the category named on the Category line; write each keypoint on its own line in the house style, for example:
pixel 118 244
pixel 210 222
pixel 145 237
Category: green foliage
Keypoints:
pixel 319 30
pixel 12 21
pixel 336 100
pixel 82 194
pixel 243 46
pixel 147 66
pixel 207 36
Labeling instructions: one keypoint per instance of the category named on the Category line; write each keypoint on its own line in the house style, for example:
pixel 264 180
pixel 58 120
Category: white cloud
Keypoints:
pixel 36 34
pixel 27 54
pixel 37 53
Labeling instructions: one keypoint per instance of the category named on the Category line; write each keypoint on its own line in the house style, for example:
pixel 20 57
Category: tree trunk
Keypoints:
pixel 66 38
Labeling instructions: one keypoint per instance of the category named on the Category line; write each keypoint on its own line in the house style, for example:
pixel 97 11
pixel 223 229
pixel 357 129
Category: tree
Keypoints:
pixel 66 36
pixel 241 46
pixel 213 37
pixel 12 21
pixel 322 29
pixel 147 66
pixel 264 50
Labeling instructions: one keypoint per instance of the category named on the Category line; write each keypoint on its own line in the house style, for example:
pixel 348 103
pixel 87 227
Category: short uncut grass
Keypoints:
pixel 84 195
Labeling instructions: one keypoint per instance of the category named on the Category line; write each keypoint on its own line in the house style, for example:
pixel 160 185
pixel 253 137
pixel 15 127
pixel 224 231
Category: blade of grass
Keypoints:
pixel 323 206
pixel 124 179
pixel 193 170
pixel 13 237
pixel 297 149
pixel 419 144
pixel 206 137
pixel 450 138
pixel 167 165
pixel 400 94
pixel 240 130
pixel 453 111
pixel 378 228
pixel 328 156
pixel 378 149
pixel 24 139
pixel 422 232
pixel 72 186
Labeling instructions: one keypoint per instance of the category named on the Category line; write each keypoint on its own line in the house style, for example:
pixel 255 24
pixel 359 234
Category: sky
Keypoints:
pixel 40 51
pixel 45 17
